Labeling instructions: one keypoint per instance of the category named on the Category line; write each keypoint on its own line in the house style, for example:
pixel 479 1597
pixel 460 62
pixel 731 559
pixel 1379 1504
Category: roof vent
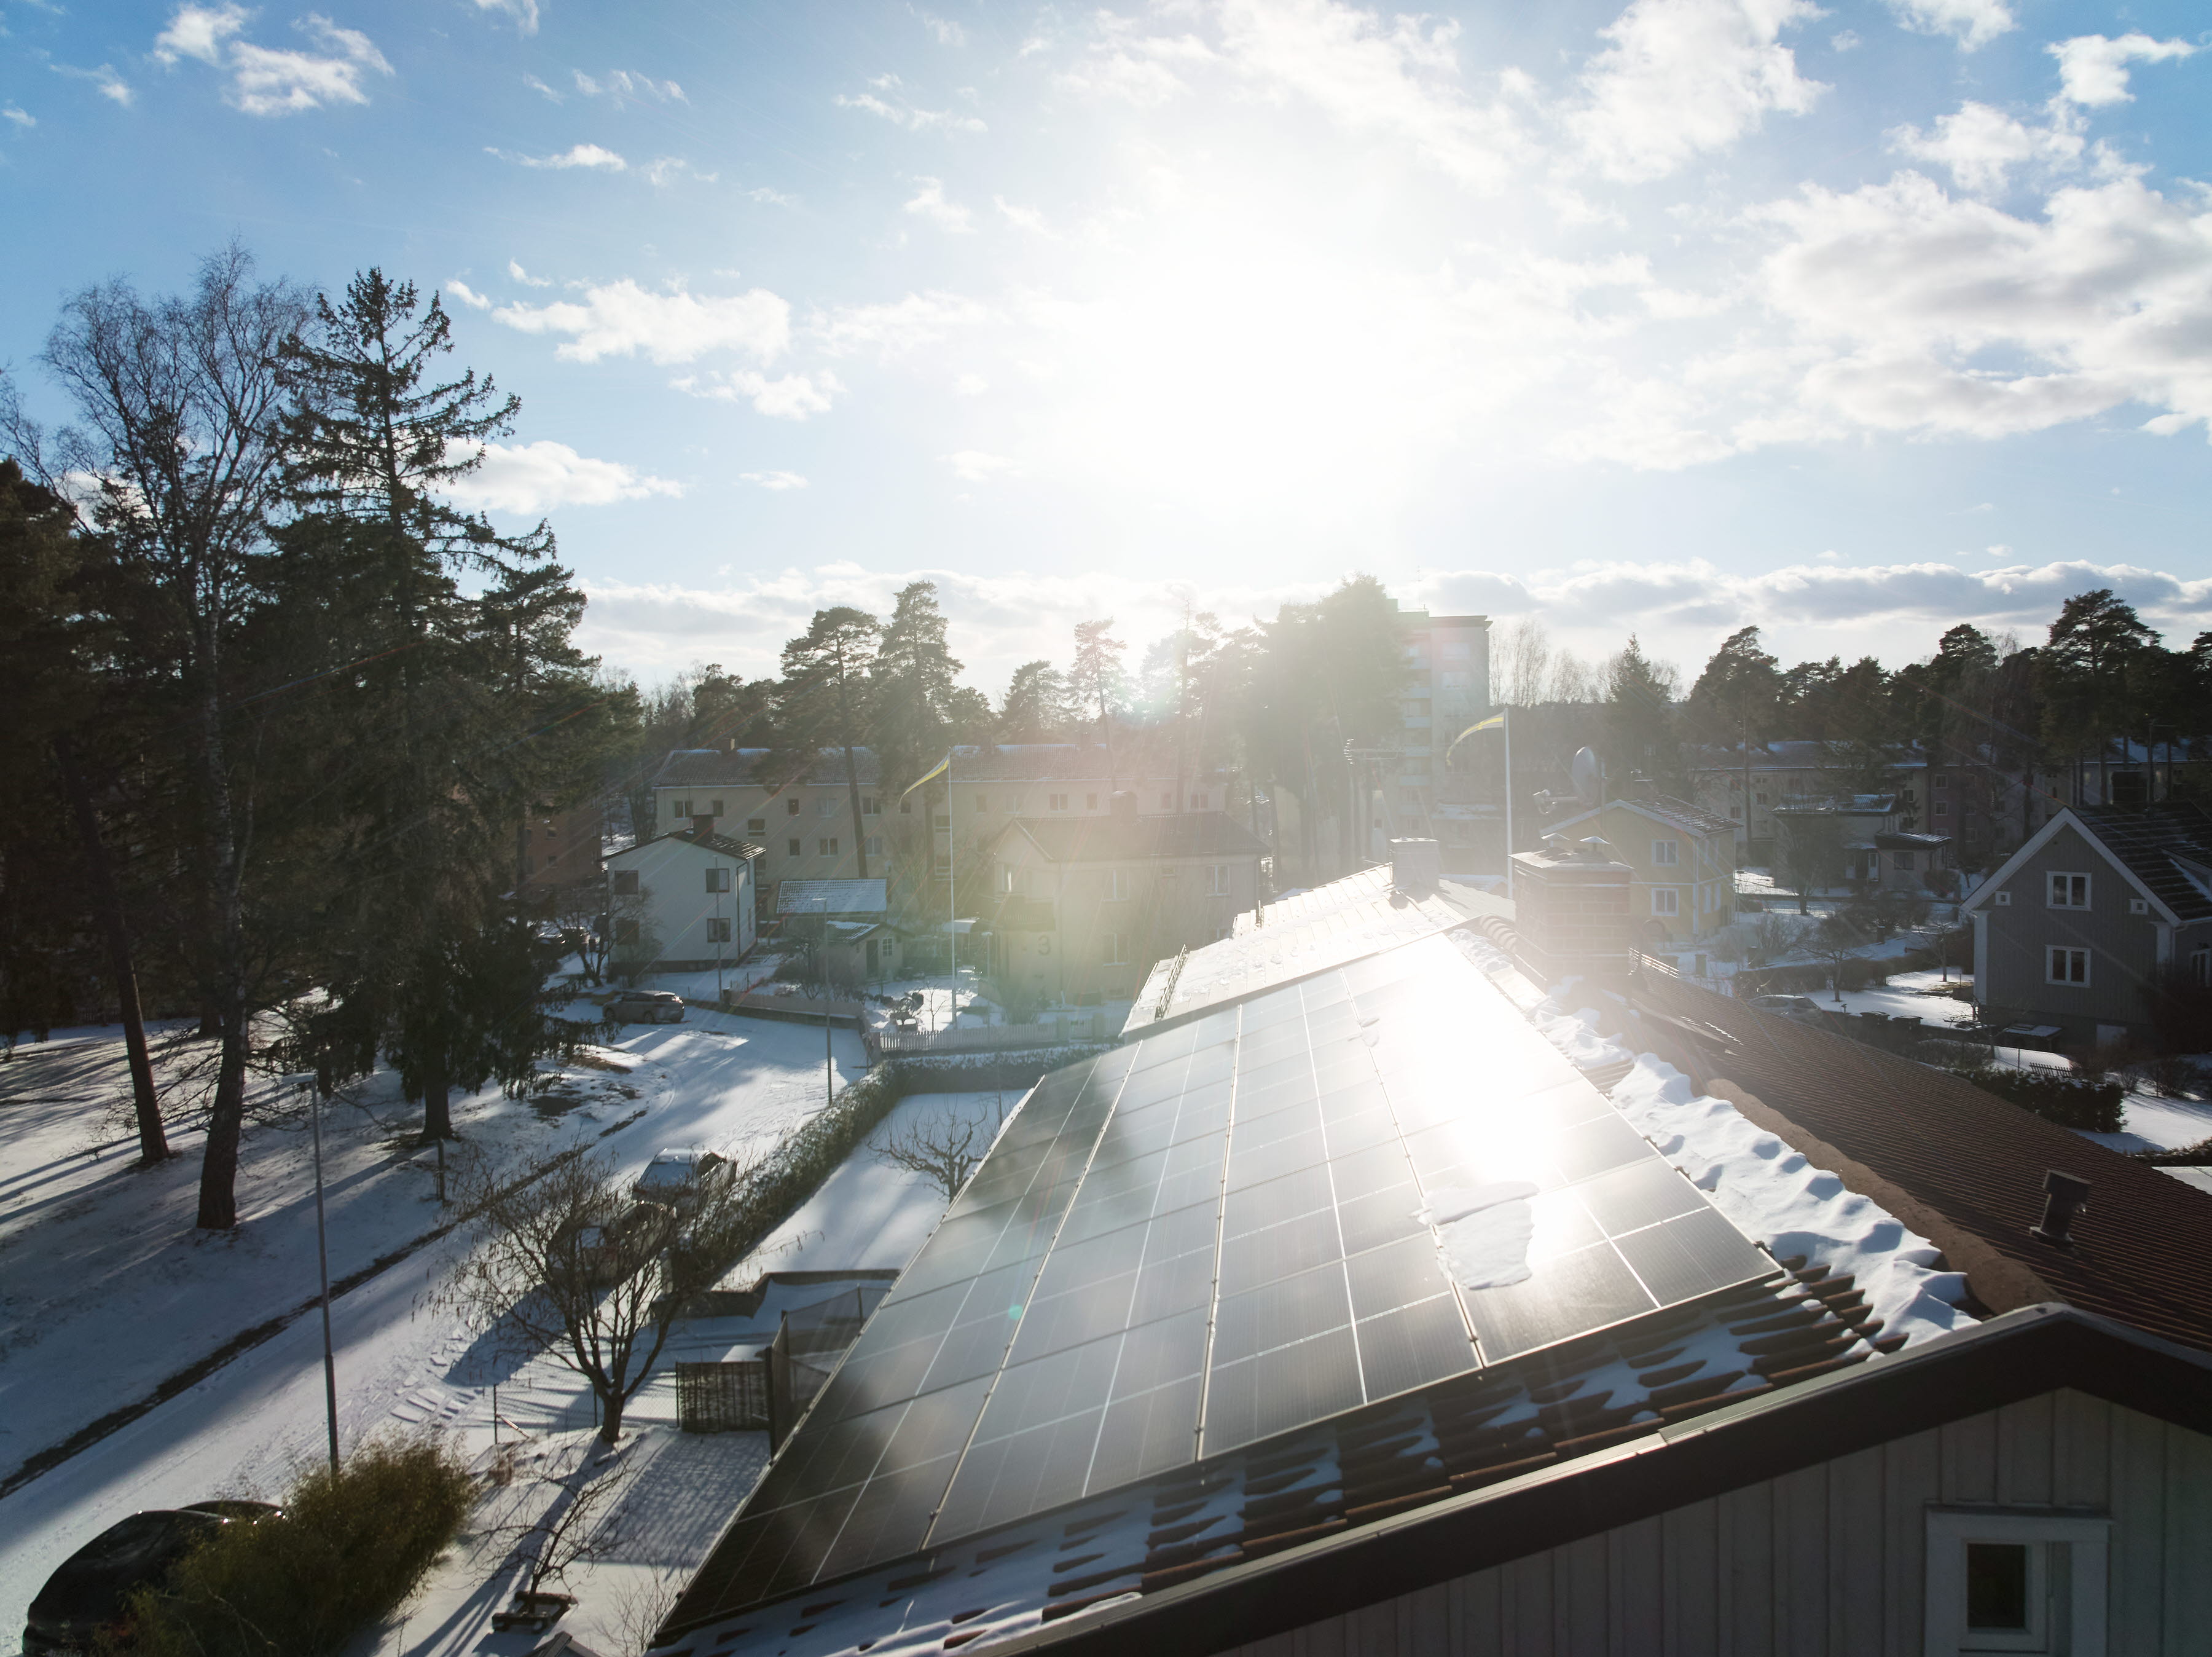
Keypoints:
pixel 2063 1196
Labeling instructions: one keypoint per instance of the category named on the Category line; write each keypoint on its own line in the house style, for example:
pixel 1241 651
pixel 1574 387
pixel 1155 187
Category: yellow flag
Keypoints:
pixel 1495 722
pixel 938 770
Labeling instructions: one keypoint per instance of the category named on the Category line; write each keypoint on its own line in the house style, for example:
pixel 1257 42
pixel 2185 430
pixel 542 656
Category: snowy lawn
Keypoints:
pixel 105 1289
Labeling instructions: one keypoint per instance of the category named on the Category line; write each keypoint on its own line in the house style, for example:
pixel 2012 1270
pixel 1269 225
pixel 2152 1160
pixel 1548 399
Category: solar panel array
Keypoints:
pixel 1214 1236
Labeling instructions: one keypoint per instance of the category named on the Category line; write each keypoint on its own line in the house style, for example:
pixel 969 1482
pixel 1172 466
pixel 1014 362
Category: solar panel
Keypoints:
pixel 1219 1234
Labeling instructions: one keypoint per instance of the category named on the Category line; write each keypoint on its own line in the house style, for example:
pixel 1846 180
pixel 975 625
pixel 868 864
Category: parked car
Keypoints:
pixel 1803 1008
pixel 611 1253
pixel 90 1592
pixel 646 1007
pixel 679 1175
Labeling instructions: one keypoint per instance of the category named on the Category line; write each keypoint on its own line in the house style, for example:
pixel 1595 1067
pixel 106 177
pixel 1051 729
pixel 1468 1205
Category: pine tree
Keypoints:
pixel 1037 708
pixel 444 702
pixel 911 691
pixel 1096 684
pixel 822 701
pixel 1639 719
pixel 2091 676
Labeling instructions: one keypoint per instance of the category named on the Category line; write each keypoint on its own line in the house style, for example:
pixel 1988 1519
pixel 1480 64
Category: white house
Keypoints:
pixel 681 903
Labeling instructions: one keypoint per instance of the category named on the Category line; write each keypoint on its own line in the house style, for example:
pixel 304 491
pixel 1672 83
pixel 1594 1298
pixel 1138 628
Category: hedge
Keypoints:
pixel 2094 1106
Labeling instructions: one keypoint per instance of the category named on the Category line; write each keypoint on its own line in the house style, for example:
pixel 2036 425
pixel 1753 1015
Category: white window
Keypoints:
pixel 792 844
pixel 2002 900
pixel 1666 854
pixel 2063 965
pixel 2015 1581
pixel 826 806
pixel 1217 880
pixel 718 879
pixel 1116 884
pixel 1056 801
pixel 1200 802
pixel 756 826
pixel 679 808
pixel 716 808
pixel 717 931
pixel 1114 949
pixel 868 809
pixel 875 845
pixel 2069 891
pixel 1665 900
pixel 828 846
pixel 791 806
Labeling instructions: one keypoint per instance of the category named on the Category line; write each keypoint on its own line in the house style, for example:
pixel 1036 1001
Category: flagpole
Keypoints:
pixel 1507 717
pixel 951 899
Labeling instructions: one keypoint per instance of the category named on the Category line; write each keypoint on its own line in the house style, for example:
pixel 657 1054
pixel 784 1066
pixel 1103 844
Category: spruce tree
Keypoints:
pixel 1037 708
pixel 444 705
pixel 822 701
pixel 911 693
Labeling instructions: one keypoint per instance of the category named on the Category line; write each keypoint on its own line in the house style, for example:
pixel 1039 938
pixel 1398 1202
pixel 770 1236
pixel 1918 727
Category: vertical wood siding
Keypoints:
pixel 1828 1562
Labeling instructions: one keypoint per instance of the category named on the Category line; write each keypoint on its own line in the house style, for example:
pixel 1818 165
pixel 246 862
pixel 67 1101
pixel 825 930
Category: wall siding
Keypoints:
pixel 1827 1561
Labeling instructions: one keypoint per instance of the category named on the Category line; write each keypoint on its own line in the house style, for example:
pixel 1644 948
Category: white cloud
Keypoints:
pixel 971 384
pixel 526 477
pixel 269 80
pixel 892 329
pixel 22 117
pixel 1397 80
pixel 199 32
pixel 929 202
pixel 1681 78
pixel 620 318
pixel 944 30
pixel 665 170
pixel 1848 40
pixel 2093 69
pixel 110 85
pixel 622 86
pixel 973 465
pixel 905 114
pixel 771 197
pixel 1974 23
pixel 515 270
pixel 775 480
pixel 1026 218
pixel 791 396
pixel 536 85
pixel 525 13
pixel 468 295
pixel 589 156
pixel 1980 145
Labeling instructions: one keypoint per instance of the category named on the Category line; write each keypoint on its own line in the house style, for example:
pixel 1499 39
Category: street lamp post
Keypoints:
pixel 308 1082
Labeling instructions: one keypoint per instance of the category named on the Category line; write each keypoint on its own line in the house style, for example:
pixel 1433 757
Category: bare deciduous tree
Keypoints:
pixel 567 1260
pixel 572 1524
pixel 946 1149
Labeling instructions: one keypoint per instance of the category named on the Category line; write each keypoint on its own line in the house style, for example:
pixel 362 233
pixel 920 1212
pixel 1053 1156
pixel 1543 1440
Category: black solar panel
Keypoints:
pixel 1219 1233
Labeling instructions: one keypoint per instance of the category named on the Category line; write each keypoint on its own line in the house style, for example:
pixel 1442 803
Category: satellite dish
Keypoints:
pixel 1584 771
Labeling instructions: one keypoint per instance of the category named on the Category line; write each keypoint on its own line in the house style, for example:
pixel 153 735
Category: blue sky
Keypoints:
pixel 1852 322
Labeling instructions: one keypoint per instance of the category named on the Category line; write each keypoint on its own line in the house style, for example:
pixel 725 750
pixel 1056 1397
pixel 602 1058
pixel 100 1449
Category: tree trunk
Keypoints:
pixel 437 1106
pixel 226 1121
pixel 610 1416
pixel 225 1118
pixel 853 797
pixel 153 1142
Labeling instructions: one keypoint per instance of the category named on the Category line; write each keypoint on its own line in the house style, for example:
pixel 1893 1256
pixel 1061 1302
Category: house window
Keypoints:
pixel 717 931
pixel 791 806
pixel 717 808
pixel 2063 964
pixel 1736 811
pixel 625 931
pixel 2032 1581
pixel 1667 854
pixel 2069 891
pixel 718 879
pixel 1904 862
pixel 793 843
pixel 1942 808
pixel 826 806
pixel 1217 880
pixel 1201 802
pixel 1057 802
pixel 942 819
pixel 1761 798
pixel 827 845
pixel 625 883
pixel 2200 967
pixel 1942 781
pixel 875 845
pixel 1114 949
pixel 756 826
pixel 2138 905
pixel 551 858
pixel 679 808
pixel 1009 880
pixel 2002 900
pixel 1665 900
pixel 1116 884
pixel 552 833
pixel 868 809
pixel 906 807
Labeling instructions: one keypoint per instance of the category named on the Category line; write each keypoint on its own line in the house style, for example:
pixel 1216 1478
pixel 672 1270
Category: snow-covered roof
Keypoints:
pixel 831 896
pixel 1664 807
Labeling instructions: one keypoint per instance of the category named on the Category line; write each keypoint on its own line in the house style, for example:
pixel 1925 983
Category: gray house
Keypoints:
pixel 2085 916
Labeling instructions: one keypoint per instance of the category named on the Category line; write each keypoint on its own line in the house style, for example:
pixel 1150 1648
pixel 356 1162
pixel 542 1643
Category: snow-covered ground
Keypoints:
pixel 105 1290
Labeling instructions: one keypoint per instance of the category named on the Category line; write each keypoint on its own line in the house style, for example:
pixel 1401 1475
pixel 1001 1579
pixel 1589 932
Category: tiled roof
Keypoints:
pixel 710 768
pixel 1114 839
pixel 1290 938
pixel 1974 1163
pixel 719 842
pixel 2147 839
pixel 831 896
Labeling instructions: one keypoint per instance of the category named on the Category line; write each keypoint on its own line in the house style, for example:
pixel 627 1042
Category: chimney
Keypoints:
pixel 2064 1196
pixel 1641 787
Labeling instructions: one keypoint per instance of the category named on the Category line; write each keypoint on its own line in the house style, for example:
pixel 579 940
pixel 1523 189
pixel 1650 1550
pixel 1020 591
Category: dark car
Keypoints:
pixel 1803 1008
pixel 91 1590
pixel 646 1007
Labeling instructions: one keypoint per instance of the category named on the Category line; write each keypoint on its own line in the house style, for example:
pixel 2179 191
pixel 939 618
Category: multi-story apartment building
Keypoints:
pixel 557 849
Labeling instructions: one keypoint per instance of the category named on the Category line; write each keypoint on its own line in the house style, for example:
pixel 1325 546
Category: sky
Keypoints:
pixel 1850 322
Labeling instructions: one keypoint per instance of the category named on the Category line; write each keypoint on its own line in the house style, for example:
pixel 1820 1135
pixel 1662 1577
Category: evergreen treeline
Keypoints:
pixel 277 709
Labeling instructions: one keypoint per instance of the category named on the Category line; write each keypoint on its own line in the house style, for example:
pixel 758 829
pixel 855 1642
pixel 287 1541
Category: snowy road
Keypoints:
pixel 715 1081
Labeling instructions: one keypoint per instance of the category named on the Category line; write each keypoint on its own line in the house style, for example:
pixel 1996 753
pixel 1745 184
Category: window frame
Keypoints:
pixel 756 826
pixel 1671 907
pixel 826 846
pixel 718 878
pixel 1112 949
pixel 1666 854
pixel 2086 1538
pixel 2073 952
pixel 797 846
pixel 1116 886
pixel 1217 880
pixel 718 930
pixel 2052 877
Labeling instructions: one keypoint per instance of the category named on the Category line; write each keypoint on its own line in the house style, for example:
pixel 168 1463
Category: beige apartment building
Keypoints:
pixel 1682 860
